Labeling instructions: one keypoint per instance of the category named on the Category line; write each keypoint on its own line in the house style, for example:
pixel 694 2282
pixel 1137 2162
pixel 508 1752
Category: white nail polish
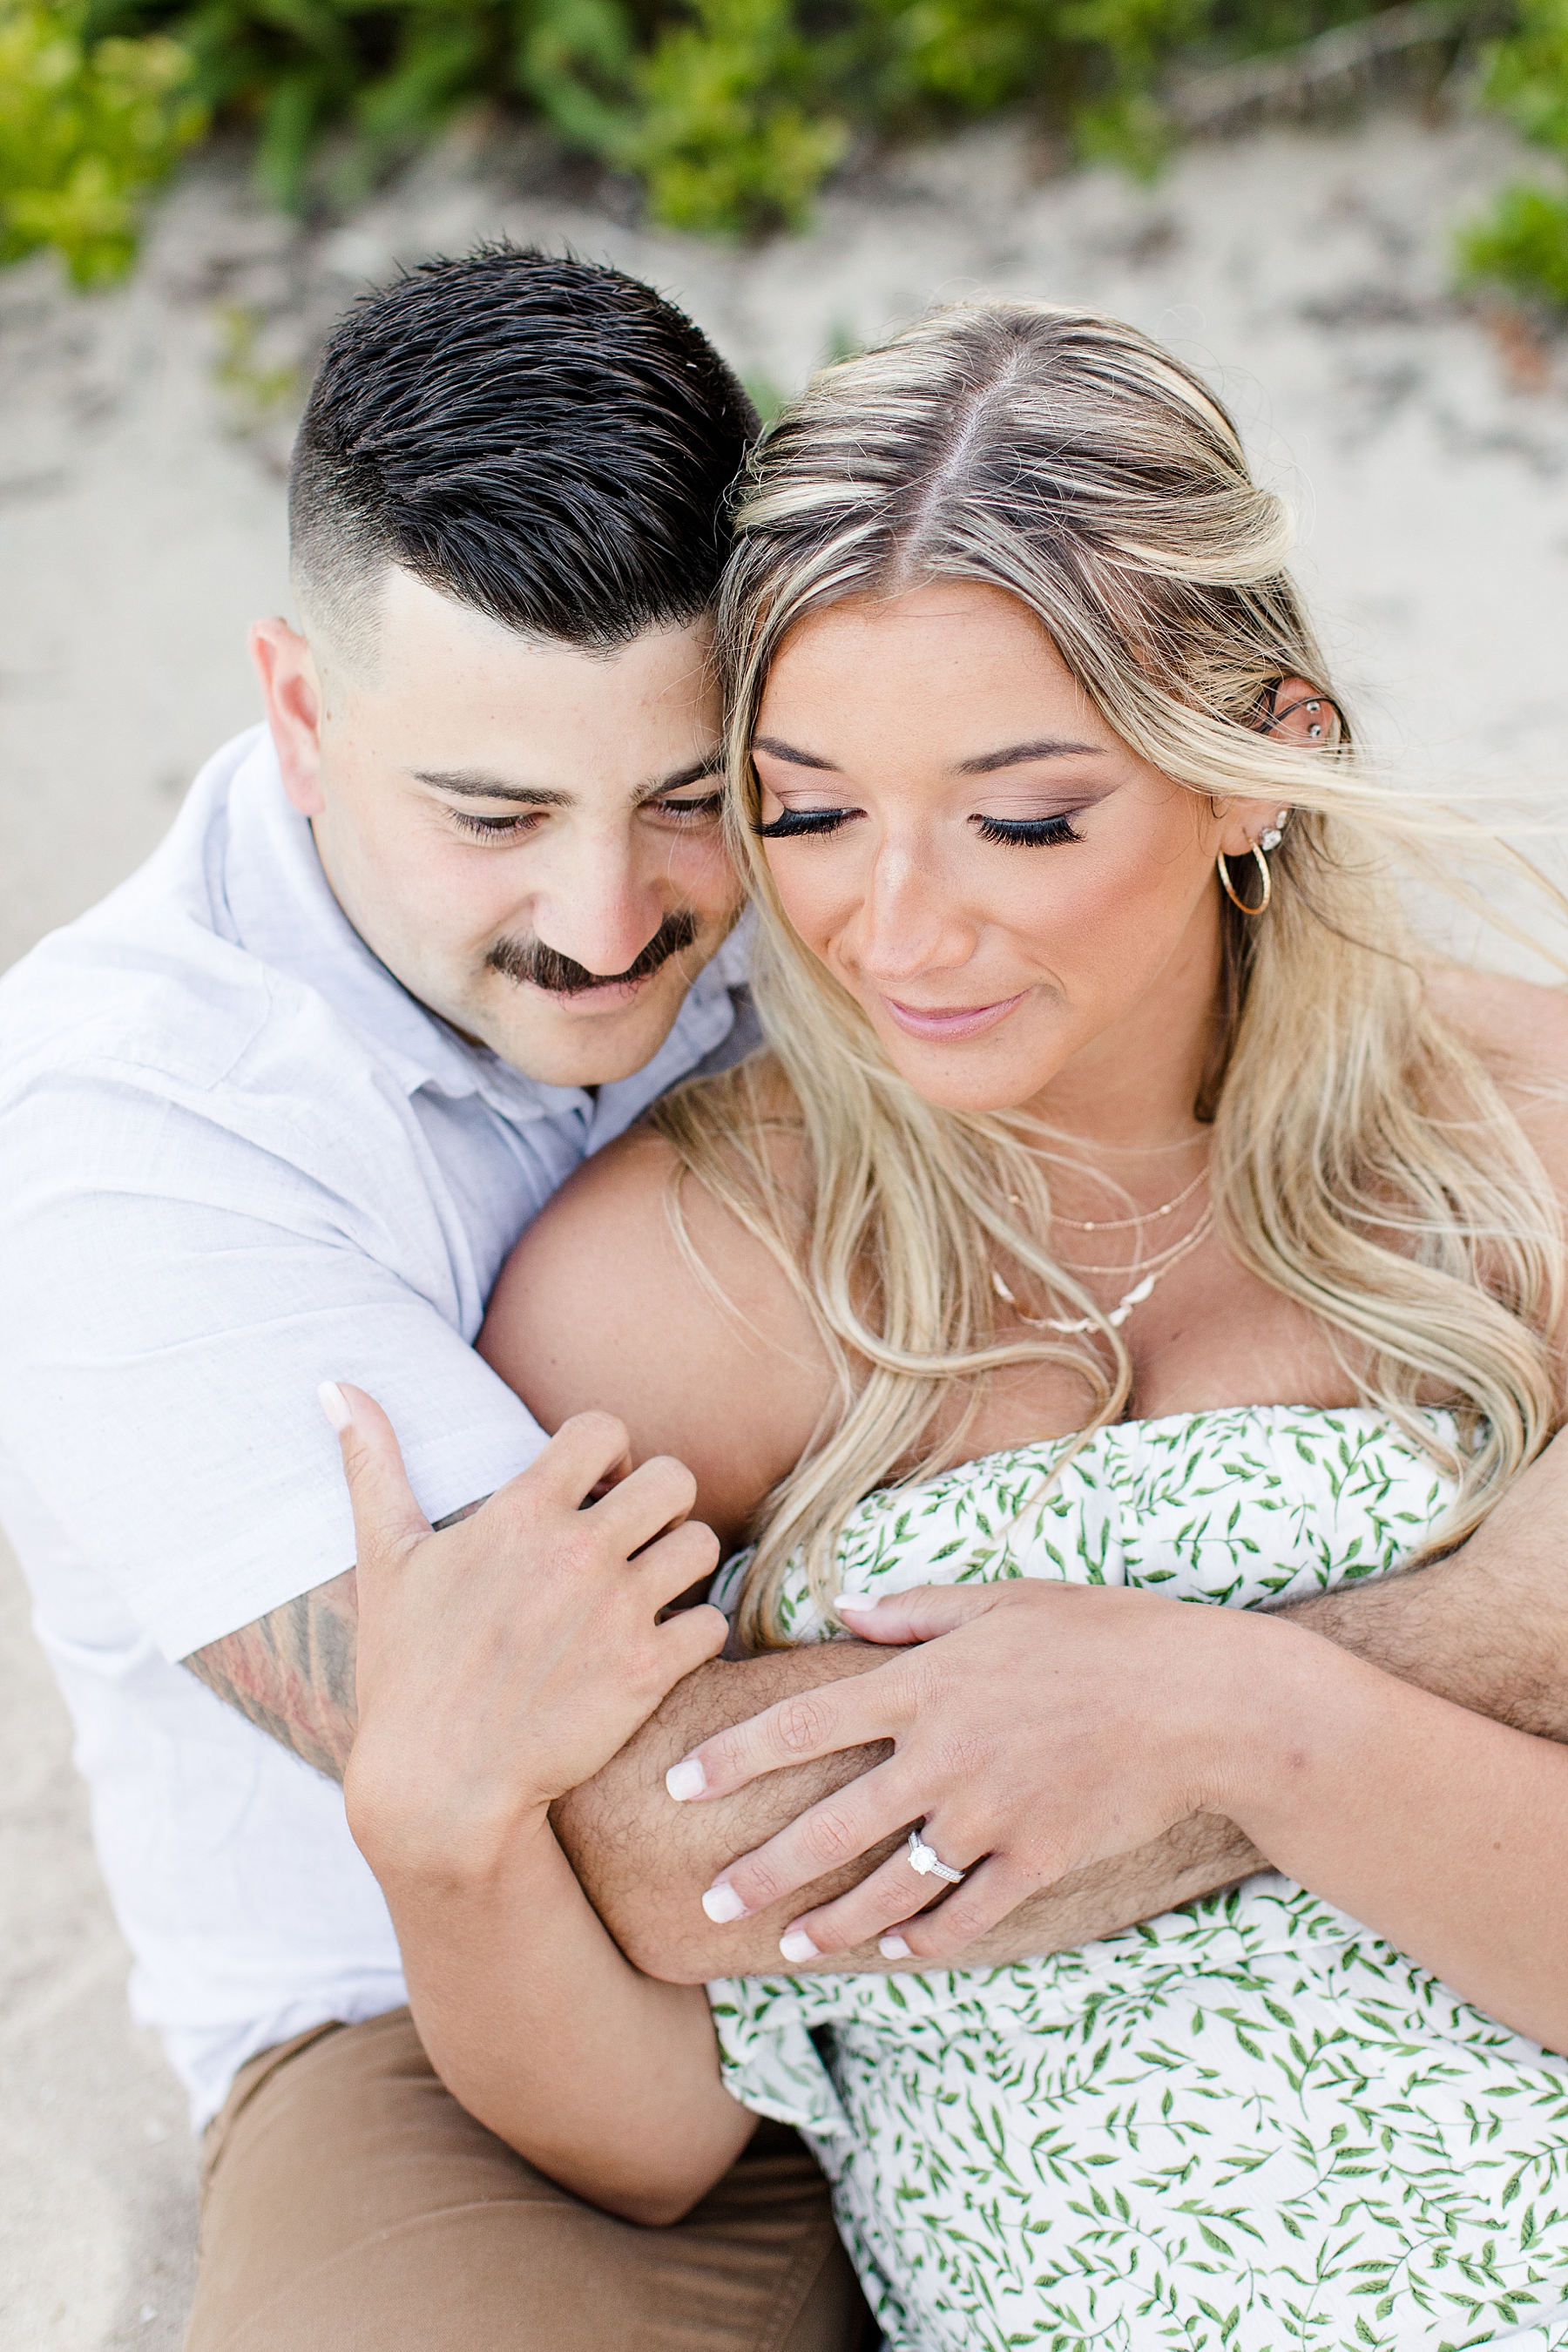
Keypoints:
pixel 894 1947
pixel 685 1780
pixel 335 1404
pixel 723 1904
pixel 797 1945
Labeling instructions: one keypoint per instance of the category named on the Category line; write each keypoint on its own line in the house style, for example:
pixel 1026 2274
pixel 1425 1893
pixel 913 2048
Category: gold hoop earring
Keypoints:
pixel 1223 869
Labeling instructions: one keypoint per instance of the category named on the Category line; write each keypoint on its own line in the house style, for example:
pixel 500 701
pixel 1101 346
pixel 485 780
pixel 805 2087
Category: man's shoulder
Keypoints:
pixel 145 979
pixel 151 1001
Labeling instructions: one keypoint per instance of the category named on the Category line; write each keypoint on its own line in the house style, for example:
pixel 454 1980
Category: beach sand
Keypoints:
pixel 1424 442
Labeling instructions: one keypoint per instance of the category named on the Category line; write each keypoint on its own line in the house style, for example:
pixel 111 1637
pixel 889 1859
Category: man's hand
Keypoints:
pixel 507 1658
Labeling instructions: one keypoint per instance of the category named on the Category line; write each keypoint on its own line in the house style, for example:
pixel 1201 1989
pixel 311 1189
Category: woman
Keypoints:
pixel 1125 1218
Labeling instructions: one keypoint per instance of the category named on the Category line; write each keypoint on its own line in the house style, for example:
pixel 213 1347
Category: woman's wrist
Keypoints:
pixel 1311 1721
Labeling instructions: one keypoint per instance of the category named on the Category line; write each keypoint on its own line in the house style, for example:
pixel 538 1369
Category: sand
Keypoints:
pixel 143 436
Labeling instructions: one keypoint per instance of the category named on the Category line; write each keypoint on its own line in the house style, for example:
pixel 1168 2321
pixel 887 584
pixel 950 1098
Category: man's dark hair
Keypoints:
pixel 545 439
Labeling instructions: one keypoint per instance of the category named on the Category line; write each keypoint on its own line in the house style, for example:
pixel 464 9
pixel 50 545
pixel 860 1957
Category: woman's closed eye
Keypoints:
pixel 790 823
pixel 1026 833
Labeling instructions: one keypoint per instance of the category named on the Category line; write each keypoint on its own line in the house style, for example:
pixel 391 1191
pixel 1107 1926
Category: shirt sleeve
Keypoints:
pixel 172 1294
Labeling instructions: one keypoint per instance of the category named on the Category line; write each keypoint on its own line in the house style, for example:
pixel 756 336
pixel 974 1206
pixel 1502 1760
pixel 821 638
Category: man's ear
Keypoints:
pixel 292 694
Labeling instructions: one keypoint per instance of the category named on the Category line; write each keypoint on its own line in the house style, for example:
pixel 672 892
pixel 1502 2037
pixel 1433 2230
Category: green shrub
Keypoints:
pixel 729 111
pixel 725 136
pixel 85 129
pixel 1524 243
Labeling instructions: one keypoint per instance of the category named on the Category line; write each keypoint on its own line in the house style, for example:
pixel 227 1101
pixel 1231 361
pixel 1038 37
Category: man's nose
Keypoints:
pixel 597 910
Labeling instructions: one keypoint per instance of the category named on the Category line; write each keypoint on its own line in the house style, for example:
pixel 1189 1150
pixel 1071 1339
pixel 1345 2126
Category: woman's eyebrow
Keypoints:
pixel 777 750
pixel 1014 756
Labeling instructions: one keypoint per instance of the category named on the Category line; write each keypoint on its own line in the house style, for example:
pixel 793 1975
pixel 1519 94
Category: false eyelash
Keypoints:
pixel 795 822
pixel 1027 833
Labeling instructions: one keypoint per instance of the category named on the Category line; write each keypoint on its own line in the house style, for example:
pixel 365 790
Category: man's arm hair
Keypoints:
pixel 644 1861
pixel 1487 1627
pixel 292 1672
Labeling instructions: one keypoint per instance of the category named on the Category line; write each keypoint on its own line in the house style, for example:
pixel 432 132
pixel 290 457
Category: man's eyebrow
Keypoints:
pixel 770 744
pixel 475 787
pixel 1050 748
pixel 695 773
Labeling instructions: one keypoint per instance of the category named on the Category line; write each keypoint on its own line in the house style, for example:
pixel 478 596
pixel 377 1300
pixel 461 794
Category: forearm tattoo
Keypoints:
pixel 292 1672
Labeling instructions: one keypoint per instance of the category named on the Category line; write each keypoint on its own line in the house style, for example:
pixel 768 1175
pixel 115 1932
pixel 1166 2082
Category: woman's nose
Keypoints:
pixel 910 922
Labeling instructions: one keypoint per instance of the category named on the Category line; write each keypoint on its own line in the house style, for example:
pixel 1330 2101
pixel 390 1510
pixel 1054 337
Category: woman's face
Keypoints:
pixel 1007 890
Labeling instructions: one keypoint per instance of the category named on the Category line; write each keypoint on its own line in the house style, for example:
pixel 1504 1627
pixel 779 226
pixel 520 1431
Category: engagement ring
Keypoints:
pixel 928 1864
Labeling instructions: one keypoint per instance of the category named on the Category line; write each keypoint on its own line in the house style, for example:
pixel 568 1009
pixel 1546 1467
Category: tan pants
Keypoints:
pixel 349 2204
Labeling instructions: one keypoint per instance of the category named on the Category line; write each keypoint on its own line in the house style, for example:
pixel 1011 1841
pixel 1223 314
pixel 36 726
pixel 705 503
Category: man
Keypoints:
pixel 279 1107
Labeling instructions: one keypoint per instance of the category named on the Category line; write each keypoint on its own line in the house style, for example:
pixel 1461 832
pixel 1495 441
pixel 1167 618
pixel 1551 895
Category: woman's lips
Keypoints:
pixel 960 1020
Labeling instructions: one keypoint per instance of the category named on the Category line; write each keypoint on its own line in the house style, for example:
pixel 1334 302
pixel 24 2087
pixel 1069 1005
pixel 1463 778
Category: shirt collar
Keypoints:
pixel 283 911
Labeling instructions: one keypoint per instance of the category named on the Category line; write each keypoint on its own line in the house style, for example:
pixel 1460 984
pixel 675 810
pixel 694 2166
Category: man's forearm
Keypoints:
pixel 1487 1628
pixel 293 1673
pixel 644 1861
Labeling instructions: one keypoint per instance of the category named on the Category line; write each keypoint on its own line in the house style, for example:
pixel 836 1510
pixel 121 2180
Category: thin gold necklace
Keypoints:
pixel 1144 1217
pixel 1130 1299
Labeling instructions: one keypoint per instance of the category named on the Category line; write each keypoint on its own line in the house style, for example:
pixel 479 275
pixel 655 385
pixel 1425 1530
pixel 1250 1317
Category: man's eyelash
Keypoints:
pixel 492 828
pixel 708 806
pixel 801 821
pixel 501 828
pixel 1026 832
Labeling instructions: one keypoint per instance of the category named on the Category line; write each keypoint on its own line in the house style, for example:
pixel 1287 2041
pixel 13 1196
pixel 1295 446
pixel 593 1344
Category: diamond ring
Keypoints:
pixel 929 1864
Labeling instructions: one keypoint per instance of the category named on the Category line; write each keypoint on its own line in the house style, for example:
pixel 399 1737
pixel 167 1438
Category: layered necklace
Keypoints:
pixel 1149 1270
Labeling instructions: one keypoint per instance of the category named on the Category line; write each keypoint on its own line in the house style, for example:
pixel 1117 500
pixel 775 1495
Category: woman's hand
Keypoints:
pixel 1037 1727
pixel 506 1659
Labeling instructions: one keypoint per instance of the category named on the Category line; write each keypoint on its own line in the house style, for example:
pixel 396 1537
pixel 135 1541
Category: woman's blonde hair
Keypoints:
pixel 1364 1162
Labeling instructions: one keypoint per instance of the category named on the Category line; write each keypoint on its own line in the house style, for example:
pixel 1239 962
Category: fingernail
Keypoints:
pixel 335 1406
pixel 797 1945
pixel 849 1606
pixel 894 1947
pixel 723 1904
pixel 685 1780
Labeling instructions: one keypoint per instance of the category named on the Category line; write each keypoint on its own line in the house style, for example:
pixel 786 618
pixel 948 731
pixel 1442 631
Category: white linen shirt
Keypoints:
pixel 236 1158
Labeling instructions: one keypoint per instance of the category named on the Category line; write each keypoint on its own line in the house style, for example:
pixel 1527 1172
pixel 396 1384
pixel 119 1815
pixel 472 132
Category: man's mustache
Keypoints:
pixel 530 961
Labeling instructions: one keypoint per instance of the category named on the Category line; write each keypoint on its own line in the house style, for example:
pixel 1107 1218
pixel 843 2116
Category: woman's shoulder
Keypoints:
pixel 704 1346
pixel 1520 1027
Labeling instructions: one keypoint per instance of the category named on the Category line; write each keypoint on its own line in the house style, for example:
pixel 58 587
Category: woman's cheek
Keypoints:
pixel 816 911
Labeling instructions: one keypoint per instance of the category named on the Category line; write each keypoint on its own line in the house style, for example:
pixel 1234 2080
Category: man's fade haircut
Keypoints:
pixel 543 439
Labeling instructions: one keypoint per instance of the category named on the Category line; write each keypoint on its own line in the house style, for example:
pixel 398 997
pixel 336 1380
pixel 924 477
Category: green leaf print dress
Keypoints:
pixel 1247 2124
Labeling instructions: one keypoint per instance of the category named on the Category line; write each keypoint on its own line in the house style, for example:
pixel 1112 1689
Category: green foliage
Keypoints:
pixel 1527 75
pixel 86 128
pixel 724 137
pixel 731 112
pixel 1522 244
